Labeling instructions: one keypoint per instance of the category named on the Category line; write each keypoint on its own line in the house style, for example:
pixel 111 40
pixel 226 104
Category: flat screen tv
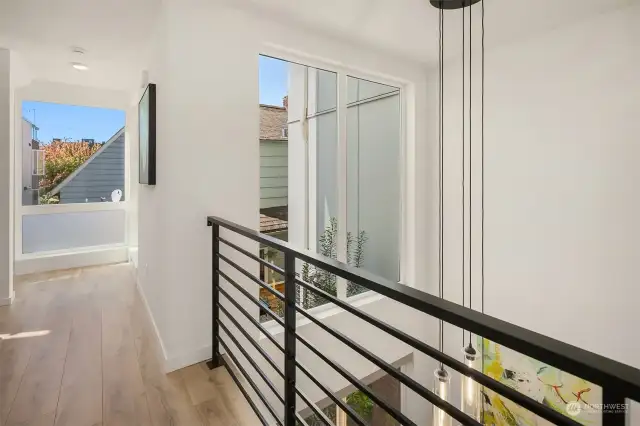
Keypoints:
pixel 147 136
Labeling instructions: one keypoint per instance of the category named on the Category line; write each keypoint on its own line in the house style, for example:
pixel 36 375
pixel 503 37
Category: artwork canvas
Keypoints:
pixel 544 383
pixel 147 136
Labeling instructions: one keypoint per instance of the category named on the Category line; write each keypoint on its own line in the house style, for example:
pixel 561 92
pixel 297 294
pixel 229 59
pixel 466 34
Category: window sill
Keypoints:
pixel 324 311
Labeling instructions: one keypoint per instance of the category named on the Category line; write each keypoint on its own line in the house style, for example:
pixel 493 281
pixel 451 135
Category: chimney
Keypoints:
pixel 285 102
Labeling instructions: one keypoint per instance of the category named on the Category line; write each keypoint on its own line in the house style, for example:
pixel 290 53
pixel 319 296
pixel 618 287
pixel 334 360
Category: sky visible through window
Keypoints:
pixel 75 123
pixel 273 80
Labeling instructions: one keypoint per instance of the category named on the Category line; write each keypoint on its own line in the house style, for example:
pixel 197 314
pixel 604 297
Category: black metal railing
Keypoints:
pixel 619 382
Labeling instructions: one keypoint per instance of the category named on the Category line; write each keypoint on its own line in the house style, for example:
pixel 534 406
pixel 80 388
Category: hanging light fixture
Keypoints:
pixel 470 395
pixel 441 379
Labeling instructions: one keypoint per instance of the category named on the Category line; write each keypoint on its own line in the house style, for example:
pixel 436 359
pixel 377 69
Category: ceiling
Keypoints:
pixel 115 33
pixel 410 27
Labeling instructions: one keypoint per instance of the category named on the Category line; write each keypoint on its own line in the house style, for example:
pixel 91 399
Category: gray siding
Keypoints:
pixel 99 178
pixel 273 174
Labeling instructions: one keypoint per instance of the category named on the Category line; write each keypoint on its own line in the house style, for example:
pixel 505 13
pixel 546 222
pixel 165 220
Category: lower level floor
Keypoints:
pixel 77 349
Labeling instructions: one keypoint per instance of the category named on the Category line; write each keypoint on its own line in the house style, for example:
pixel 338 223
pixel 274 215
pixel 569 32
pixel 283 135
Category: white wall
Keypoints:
pixel 206 81
pixel 561 196
pixel 66 231
pixel 6 179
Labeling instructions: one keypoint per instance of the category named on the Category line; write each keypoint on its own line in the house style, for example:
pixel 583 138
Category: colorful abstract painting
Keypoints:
pixel 542 382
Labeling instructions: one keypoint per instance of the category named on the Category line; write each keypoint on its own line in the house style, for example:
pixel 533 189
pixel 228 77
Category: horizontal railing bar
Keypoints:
pixel 391 411
pixel 255 345
pixel 253 320
pixel 571 359
pixel 247 274
pixel 245 393
pixel 272 411
pixel 251 361
pixel 248 295
pixel 395 373
pixel 252 256
pixel 317 411
pixel 344 407
pixel 517 397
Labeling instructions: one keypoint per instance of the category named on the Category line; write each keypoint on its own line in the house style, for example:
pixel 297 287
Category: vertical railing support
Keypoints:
pixel 614 408
pixel 290 339
pixel 216 359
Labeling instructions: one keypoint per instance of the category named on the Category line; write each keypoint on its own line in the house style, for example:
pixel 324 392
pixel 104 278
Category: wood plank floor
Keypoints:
pixel 77 349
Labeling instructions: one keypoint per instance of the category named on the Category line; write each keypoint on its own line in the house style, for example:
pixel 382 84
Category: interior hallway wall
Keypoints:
pixel 207 87
pixel 6 179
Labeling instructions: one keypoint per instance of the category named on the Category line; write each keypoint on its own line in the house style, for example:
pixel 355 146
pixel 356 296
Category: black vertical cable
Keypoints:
pixel 482 199
pixel 463 166
pixel 470 163
pixel 441 148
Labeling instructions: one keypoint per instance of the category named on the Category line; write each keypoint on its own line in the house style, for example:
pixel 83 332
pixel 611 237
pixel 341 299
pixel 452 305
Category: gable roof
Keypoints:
pixel 272 120
pixel 75 173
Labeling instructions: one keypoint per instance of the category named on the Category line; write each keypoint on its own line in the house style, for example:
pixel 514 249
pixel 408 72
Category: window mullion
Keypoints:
pixel 342 178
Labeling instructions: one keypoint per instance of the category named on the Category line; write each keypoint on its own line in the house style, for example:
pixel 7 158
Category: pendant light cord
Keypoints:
pixel 470 163
pixel 441 180
pixel 463 165
pixel 482 203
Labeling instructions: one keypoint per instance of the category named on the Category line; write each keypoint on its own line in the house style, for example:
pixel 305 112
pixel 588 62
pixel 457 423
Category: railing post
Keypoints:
pixel 290 339
pixel 216 359
pixel 614 408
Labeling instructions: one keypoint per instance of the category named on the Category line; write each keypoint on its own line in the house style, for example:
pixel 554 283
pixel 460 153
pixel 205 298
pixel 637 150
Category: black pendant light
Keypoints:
pixel 453 4
pixel 470 395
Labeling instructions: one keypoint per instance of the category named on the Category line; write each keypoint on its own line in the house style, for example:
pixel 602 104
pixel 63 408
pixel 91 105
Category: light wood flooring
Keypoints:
pixel 77 349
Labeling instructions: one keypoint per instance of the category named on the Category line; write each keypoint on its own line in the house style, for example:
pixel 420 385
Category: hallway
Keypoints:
pixel 76 349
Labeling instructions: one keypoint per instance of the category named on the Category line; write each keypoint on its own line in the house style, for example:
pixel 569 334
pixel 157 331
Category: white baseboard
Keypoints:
pixel 60 260
pixel 187 358
pixel 7 300
pixel 161 356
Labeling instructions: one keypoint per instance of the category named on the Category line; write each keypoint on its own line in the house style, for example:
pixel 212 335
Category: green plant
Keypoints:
pixel 360 402
pixel 324 280
pixel 48 199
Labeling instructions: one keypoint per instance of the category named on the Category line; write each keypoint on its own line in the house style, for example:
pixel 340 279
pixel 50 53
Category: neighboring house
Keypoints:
pixel 273 156
pixel 98 177
pixel 32 163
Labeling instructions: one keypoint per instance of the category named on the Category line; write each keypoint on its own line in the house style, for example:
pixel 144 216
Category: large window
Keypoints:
pixel 342 149
pixel 71 154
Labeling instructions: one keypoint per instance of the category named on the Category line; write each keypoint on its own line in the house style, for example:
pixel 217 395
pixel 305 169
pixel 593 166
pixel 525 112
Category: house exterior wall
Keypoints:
pixel 29 196
pixel 273 173
pixel 99 178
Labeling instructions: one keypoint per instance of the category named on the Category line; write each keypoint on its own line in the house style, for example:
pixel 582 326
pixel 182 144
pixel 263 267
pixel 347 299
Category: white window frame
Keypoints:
pixel 37 162
pixel 343 72
pixel 25 95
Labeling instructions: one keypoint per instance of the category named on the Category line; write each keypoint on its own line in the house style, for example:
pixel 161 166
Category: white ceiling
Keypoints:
pixel 410 27
pixel 115 33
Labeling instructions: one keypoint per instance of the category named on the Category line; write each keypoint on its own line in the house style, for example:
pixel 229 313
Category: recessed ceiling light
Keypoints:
pixel 79 66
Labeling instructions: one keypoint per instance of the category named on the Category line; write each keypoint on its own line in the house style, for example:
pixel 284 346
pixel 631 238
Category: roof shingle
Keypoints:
pixel 273 119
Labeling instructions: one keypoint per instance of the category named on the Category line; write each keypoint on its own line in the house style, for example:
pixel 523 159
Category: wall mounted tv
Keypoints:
pixel 147 135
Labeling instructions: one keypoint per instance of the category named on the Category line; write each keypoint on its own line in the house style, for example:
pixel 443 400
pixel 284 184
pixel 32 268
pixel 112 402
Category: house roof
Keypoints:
pixel 272 120
pixel 270 224
pixel 86 163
